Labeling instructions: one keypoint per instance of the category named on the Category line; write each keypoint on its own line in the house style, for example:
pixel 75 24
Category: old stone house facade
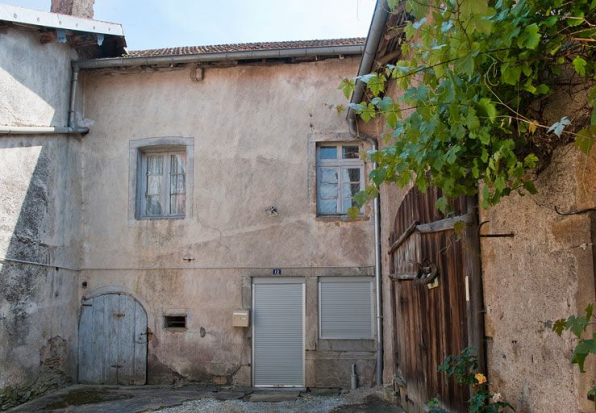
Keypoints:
pixel 176 215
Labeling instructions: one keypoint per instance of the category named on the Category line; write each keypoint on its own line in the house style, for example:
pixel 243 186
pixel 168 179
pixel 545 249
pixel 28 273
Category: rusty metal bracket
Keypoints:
pixel 428 273
pixel 503 235
pixel 581 211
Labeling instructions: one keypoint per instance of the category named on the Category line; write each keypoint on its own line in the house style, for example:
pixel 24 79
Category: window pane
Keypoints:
pixel 155 165
pixel 178 164
pixel 328 175
pixel 349 190
pixel 177 204
pixel 346 204
pixel 351 175
pixel 177 184
pixel 328 190
pixel 350 152
pixel 154 183
pixel 327 206
pixel 327 152
pixel 154 207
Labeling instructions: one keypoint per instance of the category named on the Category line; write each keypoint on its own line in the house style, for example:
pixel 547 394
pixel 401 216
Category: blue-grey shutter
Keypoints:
pixel 278 342
pixel 346 308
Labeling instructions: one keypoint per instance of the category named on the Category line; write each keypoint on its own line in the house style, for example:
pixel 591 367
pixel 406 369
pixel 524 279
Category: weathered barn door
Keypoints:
pixel 434 319
pixel 278 332
pixel 113 341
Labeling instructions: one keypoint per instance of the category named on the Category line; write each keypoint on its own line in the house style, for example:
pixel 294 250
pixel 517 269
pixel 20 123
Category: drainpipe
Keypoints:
pixel 53 130
pixel 377 27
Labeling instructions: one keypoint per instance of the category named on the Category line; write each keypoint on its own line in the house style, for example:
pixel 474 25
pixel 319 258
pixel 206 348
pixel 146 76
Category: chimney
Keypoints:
pixel 77 8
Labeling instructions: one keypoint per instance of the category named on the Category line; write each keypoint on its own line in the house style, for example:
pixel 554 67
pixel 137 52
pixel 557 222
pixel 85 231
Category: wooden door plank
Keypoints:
pixel 125 342
pixel 112 309
pixel 99 339
pixel 86 346
pixel 139 375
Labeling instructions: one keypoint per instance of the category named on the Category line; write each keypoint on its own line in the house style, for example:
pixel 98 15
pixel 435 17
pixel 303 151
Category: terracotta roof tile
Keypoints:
pixel 242 47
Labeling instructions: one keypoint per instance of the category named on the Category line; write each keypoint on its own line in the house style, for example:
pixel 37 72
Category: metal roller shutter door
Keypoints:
pixel 278 343
pixel 346 308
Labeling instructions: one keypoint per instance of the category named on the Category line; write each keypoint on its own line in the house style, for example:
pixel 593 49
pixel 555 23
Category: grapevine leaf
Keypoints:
pixel 580 65
pixel 584 141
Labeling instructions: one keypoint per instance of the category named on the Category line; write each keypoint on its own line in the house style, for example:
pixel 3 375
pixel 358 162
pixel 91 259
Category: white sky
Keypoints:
pixel 150 24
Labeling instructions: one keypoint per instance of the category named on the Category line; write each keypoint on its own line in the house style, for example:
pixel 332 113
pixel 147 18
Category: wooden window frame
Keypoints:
pixel 167 169
pixel 341 164
pixel 137 148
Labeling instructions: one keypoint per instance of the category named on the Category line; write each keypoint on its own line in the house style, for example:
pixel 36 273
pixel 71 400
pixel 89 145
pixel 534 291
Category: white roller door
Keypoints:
pixel 278 332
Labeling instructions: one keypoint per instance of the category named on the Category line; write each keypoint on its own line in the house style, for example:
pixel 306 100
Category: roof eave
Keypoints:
pixel 221 56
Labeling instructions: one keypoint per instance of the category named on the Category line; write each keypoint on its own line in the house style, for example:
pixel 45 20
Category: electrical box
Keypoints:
pixel 240 318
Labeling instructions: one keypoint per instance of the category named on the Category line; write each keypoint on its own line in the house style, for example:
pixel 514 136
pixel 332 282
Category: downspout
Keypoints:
pixel 377 27
pixel 53 130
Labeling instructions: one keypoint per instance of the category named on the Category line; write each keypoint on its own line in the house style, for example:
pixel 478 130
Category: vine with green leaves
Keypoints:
pixel 477 78
pixel 463 367
pixel 578 325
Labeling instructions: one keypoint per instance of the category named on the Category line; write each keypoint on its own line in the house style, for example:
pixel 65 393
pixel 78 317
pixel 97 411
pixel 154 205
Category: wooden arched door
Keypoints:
pixel 113 341
pixel 432 321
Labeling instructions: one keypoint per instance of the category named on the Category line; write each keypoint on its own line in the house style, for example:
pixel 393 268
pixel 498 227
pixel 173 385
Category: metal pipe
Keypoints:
pixel 377 27
pixel 378 283
pixel 73 97
pixel 41 130
pixel 220 57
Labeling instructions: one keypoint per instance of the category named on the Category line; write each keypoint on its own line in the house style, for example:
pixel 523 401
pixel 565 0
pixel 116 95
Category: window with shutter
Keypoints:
pixel 346 308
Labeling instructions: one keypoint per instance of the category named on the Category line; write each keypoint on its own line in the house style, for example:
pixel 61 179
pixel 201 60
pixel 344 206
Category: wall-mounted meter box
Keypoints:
pixel 241 318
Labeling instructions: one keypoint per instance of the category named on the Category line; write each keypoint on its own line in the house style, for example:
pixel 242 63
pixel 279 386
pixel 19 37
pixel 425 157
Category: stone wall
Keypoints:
pixel 544 273
pixel 39 222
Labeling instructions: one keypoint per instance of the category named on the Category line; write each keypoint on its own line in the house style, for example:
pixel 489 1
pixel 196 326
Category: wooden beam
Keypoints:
pixel 403 237
pixel 406 276
pixel 444 224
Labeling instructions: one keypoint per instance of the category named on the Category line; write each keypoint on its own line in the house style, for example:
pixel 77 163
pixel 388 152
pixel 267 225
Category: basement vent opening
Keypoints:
pixel 175 321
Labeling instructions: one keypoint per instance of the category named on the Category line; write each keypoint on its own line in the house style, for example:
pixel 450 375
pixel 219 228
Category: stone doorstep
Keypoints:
pixel 324 392
pixel 228 395
pixel 280 395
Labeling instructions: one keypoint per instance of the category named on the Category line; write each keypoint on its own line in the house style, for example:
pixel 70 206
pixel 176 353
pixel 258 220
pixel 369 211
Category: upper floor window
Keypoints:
pixel 340 173
pixel 163 184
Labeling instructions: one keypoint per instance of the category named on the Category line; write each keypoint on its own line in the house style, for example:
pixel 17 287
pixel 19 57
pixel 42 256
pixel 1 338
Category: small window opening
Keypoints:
pixel 175 321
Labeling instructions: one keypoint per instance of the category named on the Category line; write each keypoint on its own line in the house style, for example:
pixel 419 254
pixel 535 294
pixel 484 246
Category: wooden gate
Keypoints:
pixel 113 341
pixel 439 318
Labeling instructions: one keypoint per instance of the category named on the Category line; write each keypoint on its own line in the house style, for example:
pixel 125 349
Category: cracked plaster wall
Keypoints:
pixel 40 201
pixel 254 130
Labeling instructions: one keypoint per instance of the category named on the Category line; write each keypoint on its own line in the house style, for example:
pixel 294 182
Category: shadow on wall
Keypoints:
pixel 34 80
pixel 38 304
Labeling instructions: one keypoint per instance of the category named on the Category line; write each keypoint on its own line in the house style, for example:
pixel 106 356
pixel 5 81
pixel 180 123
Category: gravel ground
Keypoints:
pixel 306 403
